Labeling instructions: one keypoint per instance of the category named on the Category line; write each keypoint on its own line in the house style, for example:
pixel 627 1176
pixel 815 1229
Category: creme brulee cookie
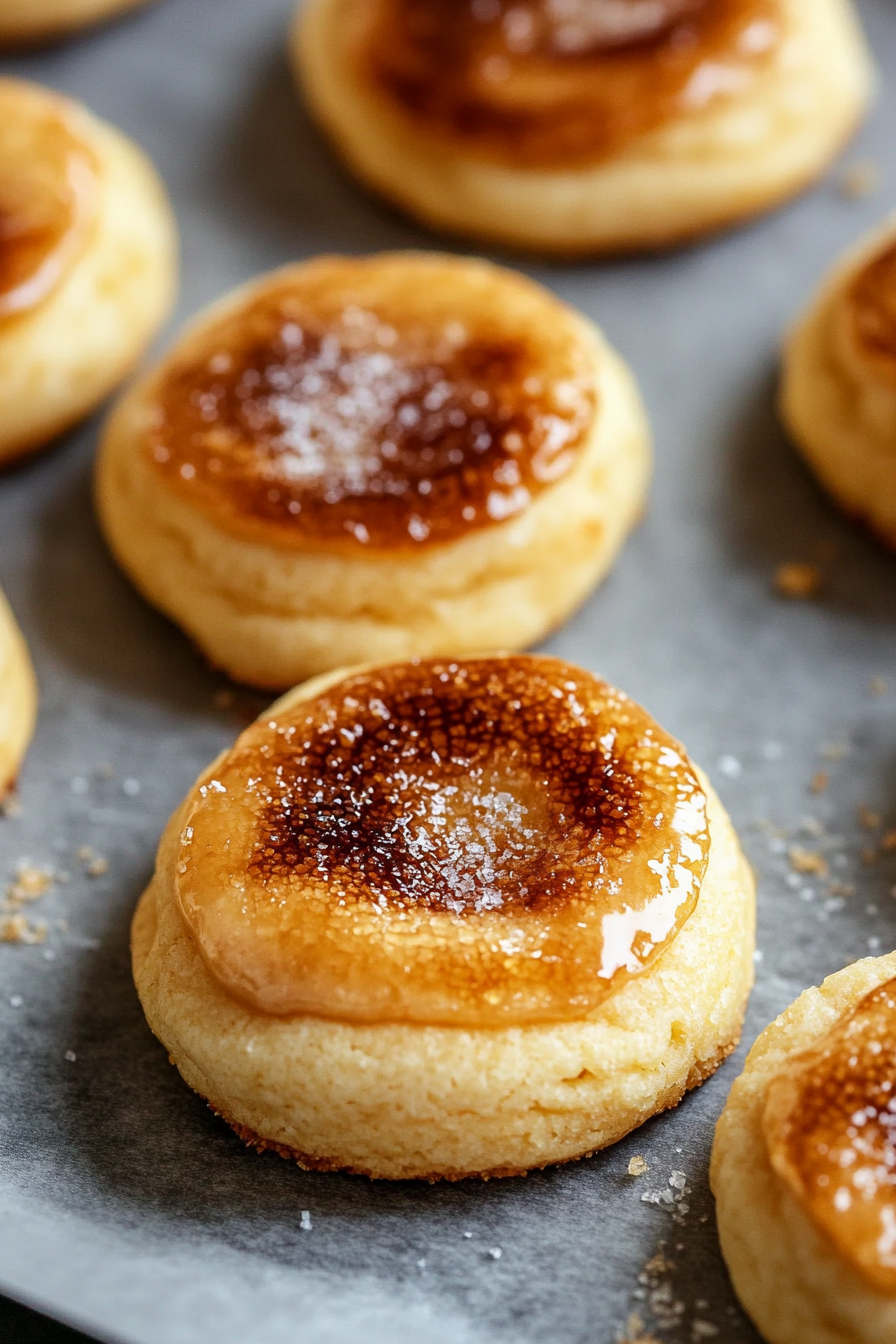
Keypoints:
pixel 804 1166
pixel 87 262
pixel 374 458
pixel 839 391
pixel 18 698
pixel 576 126
pixel 23 21
pixel 447 918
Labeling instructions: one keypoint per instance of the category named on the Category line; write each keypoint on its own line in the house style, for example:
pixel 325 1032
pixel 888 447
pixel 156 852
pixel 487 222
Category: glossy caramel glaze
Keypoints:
pixel 47 194
pixel 830 1126
pixel 558 83
pixel 386 403
pixel 483 842
pixel 872 300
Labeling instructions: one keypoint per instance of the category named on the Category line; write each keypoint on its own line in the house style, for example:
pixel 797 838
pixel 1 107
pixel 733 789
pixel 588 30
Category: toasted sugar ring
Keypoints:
pixel 374 458
pixel 804 1165
pixel 26 21
pixel 838 396
pixel 583 126
pixel 439 919
pixel 18 698
pixel 87 263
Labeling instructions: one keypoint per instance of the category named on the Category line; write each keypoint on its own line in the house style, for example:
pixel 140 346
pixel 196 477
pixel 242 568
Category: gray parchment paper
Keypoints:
pixel 127 1208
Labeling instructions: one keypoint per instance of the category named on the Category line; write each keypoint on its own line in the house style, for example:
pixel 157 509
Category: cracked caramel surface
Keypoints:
pixel 386 403
pixel 47 194
pixel 830 1127
pixel 872 303
pixel 554 83
pixel 483 843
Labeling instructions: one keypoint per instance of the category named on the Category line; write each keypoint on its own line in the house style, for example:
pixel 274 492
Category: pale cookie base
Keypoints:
pixel 18 698
pixel 705 170
pixel 23 21
pixel 839 411
pixel 789 1276
pixel 406 1101
pixel 272 617
pixel 58 362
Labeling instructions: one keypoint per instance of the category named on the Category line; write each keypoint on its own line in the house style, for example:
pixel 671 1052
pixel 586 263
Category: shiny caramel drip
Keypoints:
pixel 362 403
pixel 557 83
pixel 830 1126
pixel 483 843
pixel 47 195
pixel 872 300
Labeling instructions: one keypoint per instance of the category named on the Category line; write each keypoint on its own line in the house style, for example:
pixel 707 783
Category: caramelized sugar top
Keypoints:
pixel 386 403
pixel 484 842
pixel 830 1125
pixel 554 83
pixel 47 190
pixel 872 298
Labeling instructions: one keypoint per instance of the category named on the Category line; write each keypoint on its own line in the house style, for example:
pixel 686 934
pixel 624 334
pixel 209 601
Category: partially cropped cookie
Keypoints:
pixel 804 1166
pixel 447 918
pixel 577 126
pixel 372 458
pixel 839 391
pixel 18 698
pixel 87 263
pixel 26 21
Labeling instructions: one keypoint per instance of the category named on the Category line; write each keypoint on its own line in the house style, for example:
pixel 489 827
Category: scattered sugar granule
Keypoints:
pixel 495 1252
pixel 703 1330
pixel 859 180
pixel 79 785
pixel 305 1221
pixel 874 944
pixel 16 929
pixel 130 787
pixel 772 751
pixel 730 766
pixel 638 1167
pixel 421 1263
pixel 819 781
pixel 467 1235
pixel 877 686
pixel 798 580
pixel 807 861
pixel 70 1056
pixel 868 820
pixel 758 955
pixel 15 1000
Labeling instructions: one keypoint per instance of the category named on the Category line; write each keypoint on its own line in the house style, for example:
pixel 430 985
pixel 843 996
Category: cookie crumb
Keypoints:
pixel 29 884
pixel 16 929
pixel 94 864
pixel 888 842
pixel 819 781
pixel 638 1167
pixel 798 580
pixel 877 686
pixel 868 820
pixel 807 861
pixel 305 1221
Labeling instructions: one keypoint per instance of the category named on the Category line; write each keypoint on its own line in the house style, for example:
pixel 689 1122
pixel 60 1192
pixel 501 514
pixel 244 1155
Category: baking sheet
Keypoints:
pixel 128 1209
